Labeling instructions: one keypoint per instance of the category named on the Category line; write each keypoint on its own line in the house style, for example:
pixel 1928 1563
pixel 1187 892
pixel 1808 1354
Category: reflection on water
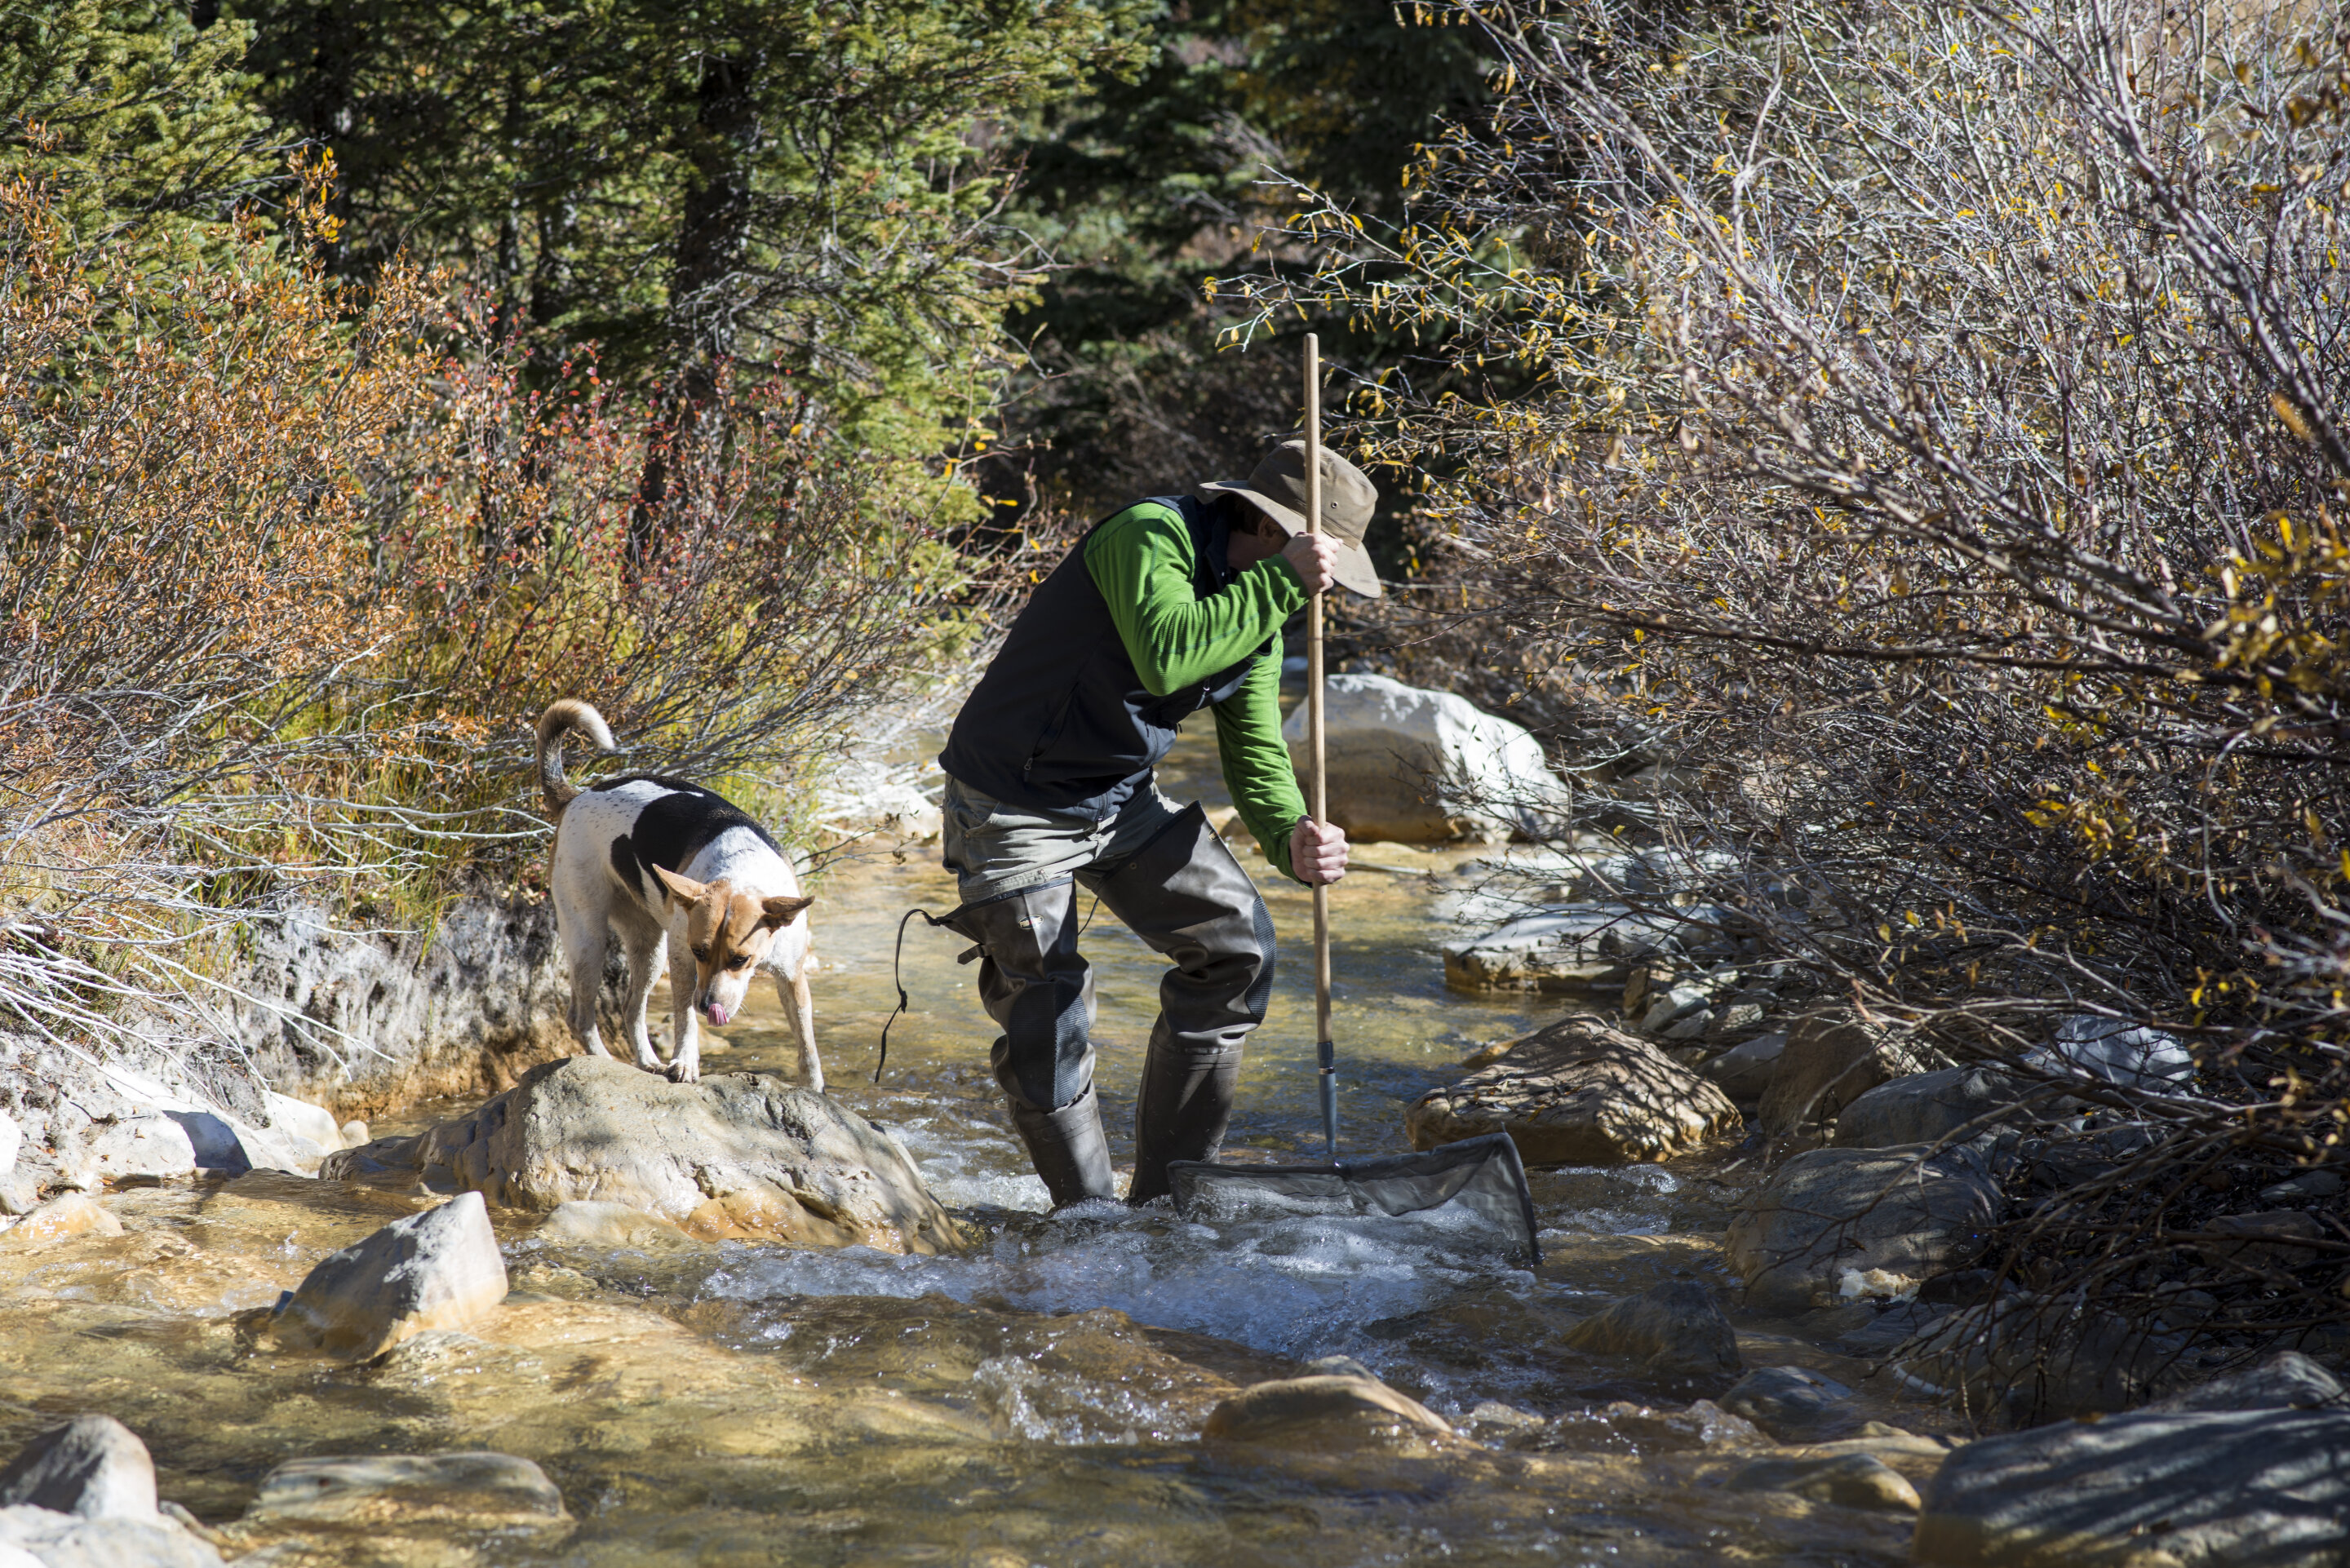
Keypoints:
pixel 1037 1401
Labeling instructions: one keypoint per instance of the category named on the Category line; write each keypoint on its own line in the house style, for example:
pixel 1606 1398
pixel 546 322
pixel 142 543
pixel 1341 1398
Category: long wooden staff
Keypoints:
pixel 1324 1052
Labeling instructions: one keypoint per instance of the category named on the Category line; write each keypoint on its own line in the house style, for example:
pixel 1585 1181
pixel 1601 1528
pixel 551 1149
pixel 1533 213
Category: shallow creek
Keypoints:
pixel 1037 1401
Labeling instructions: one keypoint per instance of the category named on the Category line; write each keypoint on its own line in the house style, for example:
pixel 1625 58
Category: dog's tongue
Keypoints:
pixel 715 1013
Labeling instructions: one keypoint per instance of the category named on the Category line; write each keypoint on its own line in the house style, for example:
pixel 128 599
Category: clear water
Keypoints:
pixel 1037 1401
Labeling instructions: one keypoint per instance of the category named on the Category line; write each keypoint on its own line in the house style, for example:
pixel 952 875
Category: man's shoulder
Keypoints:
pixel 1152 517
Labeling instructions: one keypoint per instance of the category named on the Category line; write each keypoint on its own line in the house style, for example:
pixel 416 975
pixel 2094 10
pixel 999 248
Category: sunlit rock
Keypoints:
pixel 2204 1490
pixel 92 1465
pixel 583 1223
pixel 1331 1411
pixel 436 1269
pixel 1744 1071
pixel 1419 767
pixel 2086 1045
pixel 737 1155
pixel 1902 1215
pixel 1673 1330
pixel 45 1538
pixel 69 1214
pixel 2286 1381
pixel 1849 1480
pixel 1577 1093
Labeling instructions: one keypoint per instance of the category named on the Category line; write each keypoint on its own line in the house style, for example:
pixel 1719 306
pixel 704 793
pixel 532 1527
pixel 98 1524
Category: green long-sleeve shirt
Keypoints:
pixel 1143 563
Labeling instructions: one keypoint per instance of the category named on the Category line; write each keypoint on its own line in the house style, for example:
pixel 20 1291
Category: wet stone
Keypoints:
pixel 69 1214
pixel 1849 1480
pixel 45 1538
pixel 437 1269
pixel 1324 1410
pixel 1832 1059
pixel 586 1223
pixel 1794 1404
pixel 1676 1329
pixel 1890 1218
pixel 472 1489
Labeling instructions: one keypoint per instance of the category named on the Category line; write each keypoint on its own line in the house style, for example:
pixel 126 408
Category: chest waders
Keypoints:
pixel 1185 896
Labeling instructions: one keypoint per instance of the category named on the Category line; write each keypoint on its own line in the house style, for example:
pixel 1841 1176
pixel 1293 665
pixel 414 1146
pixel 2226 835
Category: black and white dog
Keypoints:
pixel 643 859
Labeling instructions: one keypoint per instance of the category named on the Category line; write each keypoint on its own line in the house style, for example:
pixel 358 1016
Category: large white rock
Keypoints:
pixel 12 1138
pixel 1420 766
pixel 1581 948
pixel 47 1539
pixel 436 1269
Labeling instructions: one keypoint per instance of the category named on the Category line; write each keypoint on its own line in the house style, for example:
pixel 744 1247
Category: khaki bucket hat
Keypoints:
pixel 1277 489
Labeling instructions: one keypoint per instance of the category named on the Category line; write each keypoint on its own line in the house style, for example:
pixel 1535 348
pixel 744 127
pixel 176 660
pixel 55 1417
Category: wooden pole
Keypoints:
pixel 1325 1052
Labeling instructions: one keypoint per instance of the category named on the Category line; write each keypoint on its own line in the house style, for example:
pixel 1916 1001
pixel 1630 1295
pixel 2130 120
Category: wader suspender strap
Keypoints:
pixel 898 961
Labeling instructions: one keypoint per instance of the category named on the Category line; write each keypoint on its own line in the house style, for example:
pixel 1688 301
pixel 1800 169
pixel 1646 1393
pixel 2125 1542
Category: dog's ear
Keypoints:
pixel 684 889
pixel 781 912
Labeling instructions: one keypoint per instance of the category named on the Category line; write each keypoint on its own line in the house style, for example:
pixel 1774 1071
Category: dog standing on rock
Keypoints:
pixel 644 859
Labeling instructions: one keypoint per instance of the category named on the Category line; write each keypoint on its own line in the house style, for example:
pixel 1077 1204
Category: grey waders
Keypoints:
pixel 1186 895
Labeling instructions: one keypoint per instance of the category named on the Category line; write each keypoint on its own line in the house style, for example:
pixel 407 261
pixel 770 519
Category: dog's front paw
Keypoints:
pixel 685 1072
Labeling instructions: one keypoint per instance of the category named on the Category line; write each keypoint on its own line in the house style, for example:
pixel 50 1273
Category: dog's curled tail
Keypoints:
pixel 560 718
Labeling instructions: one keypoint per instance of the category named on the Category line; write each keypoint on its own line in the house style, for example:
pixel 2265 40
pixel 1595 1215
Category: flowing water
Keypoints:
pixel 1036 1401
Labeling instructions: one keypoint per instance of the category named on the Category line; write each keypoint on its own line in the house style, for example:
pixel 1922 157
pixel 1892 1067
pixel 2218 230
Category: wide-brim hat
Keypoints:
pixel 1277 489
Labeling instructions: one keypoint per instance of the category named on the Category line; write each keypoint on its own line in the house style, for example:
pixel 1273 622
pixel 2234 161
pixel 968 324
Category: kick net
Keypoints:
pixel 1480 1178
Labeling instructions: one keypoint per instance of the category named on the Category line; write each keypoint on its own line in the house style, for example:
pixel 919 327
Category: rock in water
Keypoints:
pixel 69 1214
pixel 44 1537
pixel 1744 1072
pixel 581 1223
pixel 737 1155
pixel 1326 1408
pixel 1849 1480
pixel 1676 1329
pixel 2030 1358
pixel 1831 1060
pixel 1577 1093
pixel 480 1489
pixel 1896 1214
pixel 2208 1489
pixel 1794 1404
pixel 92 1465
pixel 1416 766
pixel 2286 1381
pixel 439 1269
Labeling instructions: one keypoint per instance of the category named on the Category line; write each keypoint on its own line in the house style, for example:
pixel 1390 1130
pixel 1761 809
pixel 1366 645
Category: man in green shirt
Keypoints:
pixel 1173 605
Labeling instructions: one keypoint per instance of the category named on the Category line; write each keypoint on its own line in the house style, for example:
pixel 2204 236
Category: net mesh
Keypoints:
pixel 1478 1176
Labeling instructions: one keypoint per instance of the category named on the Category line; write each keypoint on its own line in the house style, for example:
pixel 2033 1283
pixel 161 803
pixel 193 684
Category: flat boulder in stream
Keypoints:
pixel 738 1154
pixel 1832 1223
pixel 1577 1093
pixel 1676 1329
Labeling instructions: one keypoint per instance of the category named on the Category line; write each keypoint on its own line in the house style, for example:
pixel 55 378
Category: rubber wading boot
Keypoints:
pixel 1040 992
pixel 1185 895
pixel 1068 1149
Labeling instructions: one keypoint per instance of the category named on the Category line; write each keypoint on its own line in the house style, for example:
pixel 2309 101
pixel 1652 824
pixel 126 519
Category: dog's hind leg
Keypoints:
pixel 799 1017
pixel 644 957
pixel 585 945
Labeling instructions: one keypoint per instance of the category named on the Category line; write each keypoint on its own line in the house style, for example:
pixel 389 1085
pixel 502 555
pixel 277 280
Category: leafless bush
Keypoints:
pixel 1923 423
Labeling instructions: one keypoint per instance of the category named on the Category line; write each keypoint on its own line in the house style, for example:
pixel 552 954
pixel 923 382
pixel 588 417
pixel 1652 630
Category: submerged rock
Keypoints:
pixel 737 1155
pixel 1794 1404
pixel 1676 1329
pixel 92 1465
pixel 481 1489
pixel 69 1214
pixel 1577 1093
pixel 1416 766
pixel 1581 948
pixel 1849 1480
pixel 436 1269
pixel 1831 1060
pixel 1888 1218
pixel 2270 1488
pixel 1329 1410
